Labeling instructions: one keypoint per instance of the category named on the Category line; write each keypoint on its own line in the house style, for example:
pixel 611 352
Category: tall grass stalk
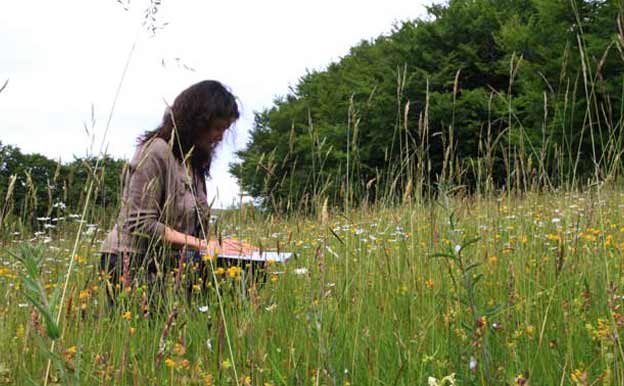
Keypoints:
pixel 87 201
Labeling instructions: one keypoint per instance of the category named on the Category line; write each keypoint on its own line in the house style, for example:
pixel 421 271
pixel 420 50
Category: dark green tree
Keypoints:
pixel 44 187
pixel 521 88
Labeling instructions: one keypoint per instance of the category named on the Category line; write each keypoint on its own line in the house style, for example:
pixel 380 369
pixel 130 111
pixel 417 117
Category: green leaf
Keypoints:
pixel 494 310
pixel 476 280
pixel 452 219
pixel 445 255
pixel 335 235
pixel 472 266
pixel 52 329
pixel 468 242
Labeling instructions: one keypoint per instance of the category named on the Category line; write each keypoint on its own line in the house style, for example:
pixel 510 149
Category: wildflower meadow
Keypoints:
pixel 507 290
pixel 451 193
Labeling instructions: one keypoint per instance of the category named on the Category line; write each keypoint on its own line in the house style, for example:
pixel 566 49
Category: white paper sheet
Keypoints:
pixel 280 257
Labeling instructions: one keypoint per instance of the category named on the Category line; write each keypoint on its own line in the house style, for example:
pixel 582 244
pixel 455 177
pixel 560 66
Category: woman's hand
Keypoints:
pixel 211 248
pixel 227 247
pixel 236 247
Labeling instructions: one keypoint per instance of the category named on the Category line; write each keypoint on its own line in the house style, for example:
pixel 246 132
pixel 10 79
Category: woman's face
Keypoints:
pixel 212 136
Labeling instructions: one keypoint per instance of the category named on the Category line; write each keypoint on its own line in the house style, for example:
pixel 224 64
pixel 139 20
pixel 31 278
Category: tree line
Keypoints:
pixel 33 186
pixel 482 94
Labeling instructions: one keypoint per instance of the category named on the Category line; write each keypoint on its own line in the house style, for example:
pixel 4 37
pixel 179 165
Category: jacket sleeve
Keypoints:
pixel 146 192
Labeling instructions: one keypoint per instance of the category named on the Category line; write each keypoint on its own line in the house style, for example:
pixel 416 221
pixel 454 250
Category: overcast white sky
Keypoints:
pixel 62 57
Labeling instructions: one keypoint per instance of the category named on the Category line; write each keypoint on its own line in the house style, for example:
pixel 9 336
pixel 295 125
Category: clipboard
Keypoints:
pixel 276 257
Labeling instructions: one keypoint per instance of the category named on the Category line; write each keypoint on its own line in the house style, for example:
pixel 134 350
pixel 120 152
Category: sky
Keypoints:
pixel 65 61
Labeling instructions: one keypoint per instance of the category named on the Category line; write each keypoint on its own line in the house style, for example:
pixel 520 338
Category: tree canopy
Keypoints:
pixel 503 93
pixel 32 185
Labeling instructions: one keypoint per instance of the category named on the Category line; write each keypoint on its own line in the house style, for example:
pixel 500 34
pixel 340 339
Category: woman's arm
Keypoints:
pixel 174 237
pixel 227 246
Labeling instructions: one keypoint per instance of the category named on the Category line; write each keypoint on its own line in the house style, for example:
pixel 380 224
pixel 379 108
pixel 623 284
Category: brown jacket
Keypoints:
pixel 159 191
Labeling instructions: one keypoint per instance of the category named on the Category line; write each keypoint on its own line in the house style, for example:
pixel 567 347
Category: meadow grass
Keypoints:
pixel 384 295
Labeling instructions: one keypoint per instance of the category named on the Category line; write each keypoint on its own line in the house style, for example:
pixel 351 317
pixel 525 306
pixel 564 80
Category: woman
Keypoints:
pixel 164 212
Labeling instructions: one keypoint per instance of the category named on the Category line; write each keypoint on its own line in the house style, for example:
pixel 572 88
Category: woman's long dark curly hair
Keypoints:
pixel 196 110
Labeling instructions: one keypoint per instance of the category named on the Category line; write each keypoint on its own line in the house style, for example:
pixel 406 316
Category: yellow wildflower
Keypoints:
pixel 553 237
pixel 608 240
pixel 6 273
pixel 179 349
pixel 603 330
pixel 70 353
pixel 234 271
pixel 530 329
pixel 170 363
pixel 20 332
pixel 579 377
pixel 84 294
pixel 208 380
